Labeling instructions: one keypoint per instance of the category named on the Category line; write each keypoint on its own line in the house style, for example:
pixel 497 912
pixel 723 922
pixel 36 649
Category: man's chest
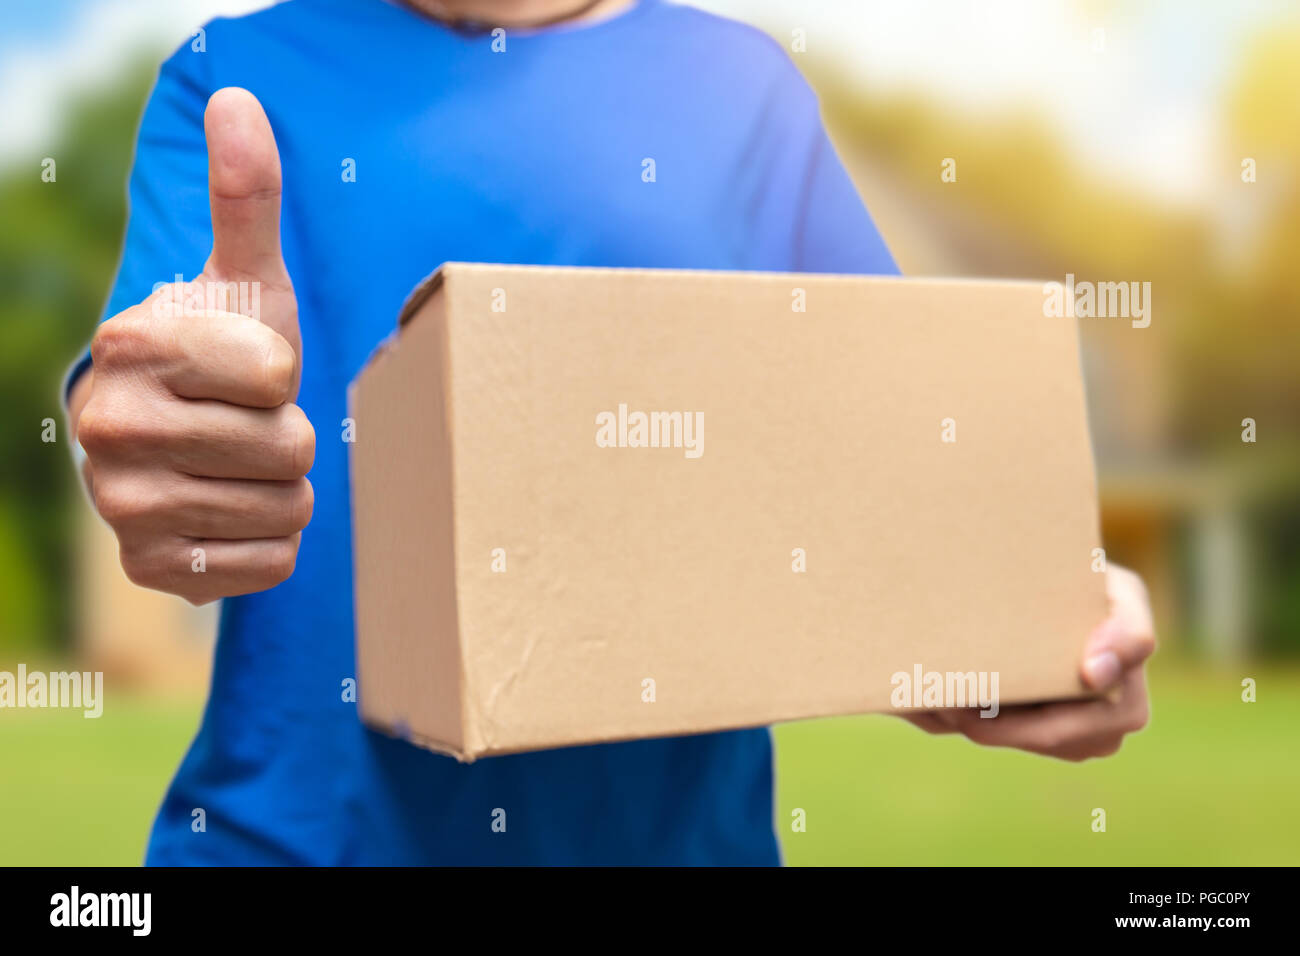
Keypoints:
pixel 372 209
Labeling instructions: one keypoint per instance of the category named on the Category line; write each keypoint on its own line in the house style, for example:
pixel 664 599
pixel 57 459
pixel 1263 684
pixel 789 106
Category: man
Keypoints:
pixel 405 142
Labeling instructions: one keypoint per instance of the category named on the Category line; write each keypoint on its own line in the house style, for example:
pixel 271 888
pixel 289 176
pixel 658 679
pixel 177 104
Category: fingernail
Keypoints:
pixel 1102 669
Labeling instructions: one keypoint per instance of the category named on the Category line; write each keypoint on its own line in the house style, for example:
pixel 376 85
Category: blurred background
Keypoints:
pixel 1134 141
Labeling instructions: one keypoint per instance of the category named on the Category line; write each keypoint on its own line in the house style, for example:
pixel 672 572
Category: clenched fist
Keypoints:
pixel 196 454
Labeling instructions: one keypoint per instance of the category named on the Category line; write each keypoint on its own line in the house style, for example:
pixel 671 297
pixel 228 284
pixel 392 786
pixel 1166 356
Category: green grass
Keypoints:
pixel 1212 781
pixel 83 792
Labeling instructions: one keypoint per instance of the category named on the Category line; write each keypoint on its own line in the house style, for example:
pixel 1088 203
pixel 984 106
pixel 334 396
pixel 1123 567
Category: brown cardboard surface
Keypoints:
pixel 476 430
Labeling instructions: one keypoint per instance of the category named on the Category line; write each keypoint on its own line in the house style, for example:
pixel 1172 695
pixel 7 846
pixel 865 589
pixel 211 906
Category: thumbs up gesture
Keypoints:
pixel 196 454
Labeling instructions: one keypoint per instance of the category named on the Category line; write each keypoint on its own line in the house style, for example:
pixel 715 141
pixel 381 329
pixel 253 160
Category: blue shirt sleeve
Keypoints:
pixel 835 233
pixel 808 215
pixel 169 230
pixel 833 230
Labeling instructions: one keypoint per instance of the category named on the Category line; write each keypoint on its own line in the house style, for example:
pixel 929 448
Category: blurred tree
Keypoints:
pixel 59 243
pixel 1168 401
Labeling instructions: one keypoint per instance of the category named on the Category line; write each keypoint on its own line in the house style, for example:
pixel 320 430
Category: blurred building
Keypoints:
pixel 1155 507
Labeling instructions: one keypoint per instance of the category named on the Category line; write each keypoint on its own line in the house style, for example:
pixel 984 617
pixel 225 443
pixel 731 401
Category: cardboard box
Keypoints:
pixel 805 539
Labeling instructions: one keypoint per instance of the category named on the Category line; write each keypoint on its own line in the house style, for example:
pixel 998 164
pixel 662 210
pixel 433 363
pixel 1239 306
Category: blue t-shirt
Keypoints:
pixel 532 155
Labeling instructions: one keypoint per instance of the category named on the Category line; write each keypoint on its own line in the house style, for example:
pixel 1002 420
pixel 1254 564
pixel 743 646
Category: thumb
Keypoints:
pixel 243 188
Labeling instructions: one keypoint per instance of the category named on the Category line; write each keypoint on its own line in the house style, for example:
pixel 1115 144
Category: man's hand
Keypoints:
pixel 195 452
pixel 1076 730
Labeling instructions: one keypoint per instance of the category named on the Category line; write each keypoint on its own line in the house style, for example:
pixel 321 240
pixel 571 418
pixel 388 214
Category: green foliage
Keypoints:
pixel 59 243
pixel 1227 335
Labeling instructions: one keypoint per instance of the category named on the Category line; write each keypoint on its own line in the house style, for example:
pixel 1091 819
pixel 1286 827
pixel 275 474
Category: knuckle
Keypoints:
pixel 119 503
pixel 140 569
pixel 150 563
pixel 90 427
pixel 123 339
pixel 301 505
pixel 280 558
pixel 299 441
pixel 279 366
pixel 101 429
